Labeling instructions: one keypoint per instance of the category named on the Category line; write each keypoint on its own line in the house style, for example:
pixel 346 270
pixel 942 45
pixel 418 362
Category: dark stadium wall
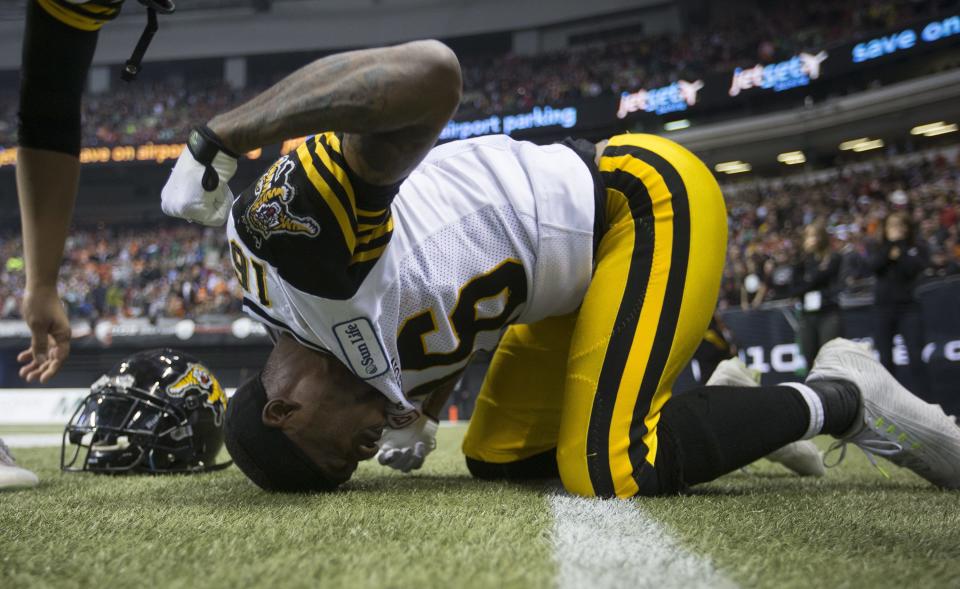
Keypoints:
pixel 300 26
pixel 767 342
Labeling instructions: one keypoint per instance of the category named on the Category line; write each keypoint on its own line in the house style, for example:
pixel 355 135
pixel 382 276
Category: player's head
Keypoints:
pixel 304 422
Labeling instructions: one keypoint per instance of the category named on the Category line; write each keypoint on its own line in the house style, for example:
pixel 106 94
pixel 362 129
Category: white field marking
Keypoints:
pixel 613 543
pixel 33 440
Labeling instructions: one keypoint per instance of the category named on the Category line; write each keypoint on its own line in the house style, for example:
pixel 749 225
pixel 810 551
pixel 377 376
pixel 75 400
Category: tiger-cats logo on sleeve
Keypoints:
pixel 199 380
pixel 269 213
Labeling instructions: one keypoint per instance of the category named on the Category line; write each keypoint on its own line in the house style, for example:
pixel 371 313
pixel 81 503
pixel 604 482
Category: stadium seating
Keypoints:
pixel 183 271
pixel 163 111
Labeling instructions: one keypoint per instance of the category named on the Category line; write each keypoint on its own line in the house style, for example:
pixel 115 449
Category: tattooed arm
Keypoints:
pixel 391 103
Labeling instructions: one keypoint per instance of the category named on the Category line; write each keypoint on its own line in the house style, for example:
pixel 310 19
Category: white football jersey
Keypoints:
pixel 403 284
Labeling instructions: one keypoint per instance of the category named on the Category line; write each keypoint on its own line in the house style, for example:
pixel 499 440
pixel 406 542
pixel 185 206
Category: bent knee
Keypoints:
pixel 661 477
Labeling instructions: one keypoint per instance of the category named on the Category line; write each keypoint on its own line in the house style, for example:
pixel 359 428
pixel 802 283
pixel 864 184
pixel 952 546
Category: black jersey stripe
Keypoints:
pixel 621 340
pixel 673 296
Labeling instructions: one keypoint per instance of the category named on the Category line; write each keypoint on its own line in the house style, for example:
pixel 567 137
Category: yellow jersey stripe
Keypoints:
pixel 581 384
pixel 621 468
pixel 339 173
pixel 379 231
pixel 366 213
pixel 85 17
pixel 325 192
pixel 714 338
pixel 333 141
pixel 368 255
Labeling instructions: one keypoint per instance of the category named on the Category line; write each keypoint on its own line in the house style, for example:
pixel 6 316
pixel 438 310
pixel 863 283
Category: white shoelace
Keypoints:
pixel 870 449
pixel 873 448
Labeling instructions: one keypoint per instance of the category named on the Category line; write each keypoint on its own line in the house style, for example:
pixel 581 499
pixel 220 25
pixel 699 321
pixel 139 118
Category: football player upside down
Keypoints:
pixel 381 263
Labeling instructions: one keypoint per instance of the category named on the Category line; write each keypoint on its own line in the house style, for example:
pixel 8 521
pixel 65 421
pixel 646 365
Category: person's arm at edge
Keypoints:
pixel 46 188
pixel 391 103
pixel 48 170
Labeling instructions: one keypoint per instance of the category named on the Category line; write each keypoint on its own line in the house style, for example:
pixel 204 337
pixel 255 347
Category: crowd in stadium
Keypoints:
pixel 767 223
pixel 184 271
pixel 740 34
pixel 180 271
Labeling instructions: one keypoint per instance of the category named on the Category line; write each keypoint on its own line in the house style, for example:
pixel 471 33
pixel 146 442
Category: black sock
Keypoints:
pixel 538 466
pixel 710 431
pixel 841 404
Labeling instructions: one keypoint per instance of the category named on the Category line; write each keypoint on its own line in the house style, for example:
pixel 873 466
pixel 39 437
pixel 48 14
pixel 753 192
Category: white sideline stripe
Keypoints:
pixel 33 440
pixel 613 543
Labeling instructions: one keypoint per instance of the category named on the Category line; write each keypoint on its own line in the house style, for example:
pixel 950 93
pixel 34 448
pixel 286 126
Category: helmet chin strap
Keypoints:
pixel 133 65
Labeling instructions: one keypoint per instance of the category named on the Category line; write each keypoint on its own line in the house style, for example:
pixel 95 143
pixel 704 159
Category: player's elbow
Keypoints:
pixel 440 74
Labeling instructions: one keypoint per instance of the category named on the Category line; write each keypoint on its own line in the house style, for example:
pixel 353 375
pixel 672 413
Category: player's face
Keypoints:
pixel 340 421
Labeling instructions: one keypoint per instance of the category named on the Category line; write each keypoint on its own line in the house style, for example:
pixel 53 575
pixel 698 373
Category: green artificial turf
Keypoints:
pixel 440 528
pixel 851 528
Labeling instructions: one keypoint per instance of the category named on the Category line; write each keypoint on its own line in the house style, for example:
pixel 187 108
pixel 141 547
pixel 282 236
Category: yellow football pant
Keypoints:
pixel 591 384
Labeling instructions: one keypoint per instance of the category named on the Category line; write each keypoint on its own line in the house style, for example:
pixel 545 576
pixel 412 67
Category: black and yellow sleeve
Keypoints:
pixel 311 217
pixel 58 46
pixel 88 15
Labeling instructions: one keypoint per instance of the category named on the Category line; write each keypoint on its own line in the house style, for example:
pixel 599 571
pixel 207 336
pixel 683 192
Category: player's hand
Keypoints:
pixel 50 335
pixel 197 189
pixel 406 449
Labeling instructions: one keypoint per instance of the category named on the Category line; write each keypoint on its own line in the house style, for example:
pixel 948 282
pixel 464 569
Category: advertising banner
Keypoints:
pixel 709 90
pixel 39 406
pixel 767 342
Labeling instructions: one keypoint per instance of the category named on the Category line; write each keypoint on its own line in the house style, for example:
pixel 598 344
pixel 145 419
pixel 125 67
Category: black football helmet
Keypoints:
pixel 158 411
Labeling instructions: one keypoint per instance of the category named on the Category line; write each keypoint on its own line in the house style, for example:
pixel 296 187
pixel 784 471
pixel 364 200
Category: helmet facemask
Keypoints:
pixel 122 428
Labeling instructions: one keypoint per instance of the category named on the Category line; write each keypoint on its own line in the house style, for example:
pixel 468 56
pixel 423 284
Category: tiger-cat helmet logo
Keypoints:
pixel 198 379
pixel 269 213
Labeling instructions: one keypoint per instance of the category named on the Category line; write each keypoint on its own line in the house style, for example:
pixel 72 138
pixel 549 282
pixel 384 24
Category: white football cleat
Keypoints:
pixel 893 423
pixel 733 373
pixel 802 457
pixel 11 475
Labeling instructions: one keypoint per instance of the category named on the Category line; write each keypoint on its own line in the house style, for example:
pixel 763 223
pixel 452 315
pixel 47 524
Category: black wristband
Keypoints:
pixel 204 144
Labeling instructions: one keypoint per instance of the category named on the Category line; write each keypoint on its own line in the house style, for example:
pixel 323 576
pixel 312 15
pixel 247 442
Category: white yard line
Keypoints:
pixel 613 543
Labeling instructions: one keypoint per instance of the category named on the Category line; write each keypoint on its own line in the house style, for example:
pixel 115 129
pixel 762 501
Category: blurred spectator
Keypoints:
pixel 898 261
pixel 168 272
pixel 766 218
pixel 941 265
pixel 817 284
pixel 179 271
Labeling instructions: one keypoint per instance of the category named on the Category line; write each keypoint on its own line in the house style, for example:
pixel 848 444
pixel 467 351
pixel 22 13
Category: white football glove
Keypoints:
pixel 197 189
pixel 406 449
